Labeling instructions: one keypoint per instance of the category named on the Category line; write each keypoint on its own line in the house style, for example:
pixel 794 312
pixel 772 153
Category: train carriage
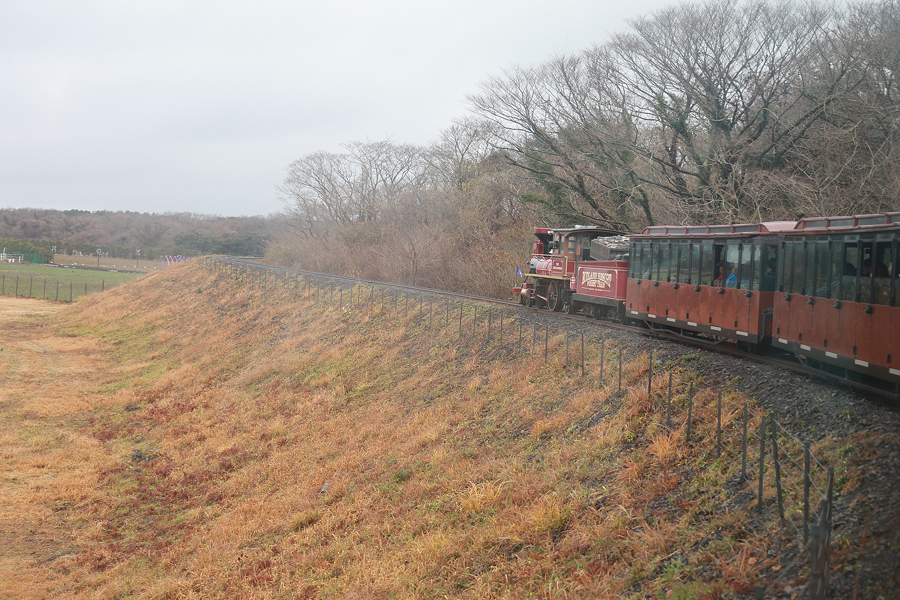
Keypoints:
pixel 713 280
pixel 838 301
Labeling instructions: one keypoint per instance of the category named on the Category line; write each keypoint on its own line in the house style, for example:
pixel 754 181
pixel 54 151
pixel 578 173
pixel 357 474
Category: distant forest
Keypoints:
pixel 123 233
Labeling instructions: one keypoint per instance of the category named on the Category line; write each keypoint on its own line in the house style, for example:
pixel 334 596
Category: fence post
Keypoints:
pixel 669 404
pixel 819 545
pixel 546 340
pixel 762 460
pixel 567 348
pixel 602 347
pixel 621 353
pixel 650 374
pixel 687 438
pixel 806 482
pixel 777 470
pixel 460 316
pixel 744 448
pixel 582 353
pixel 719 426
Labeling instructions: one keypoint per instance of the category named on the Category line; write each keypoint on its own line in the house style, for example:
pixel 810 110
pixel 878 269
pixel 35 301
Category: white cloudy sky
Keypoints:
pixel 198 106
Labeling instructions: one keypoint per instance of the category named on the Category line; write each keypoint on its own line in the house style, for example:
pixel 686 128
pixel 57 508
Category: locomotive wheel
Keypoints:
pixel 554 297
pixel 528 300
pixel 568 308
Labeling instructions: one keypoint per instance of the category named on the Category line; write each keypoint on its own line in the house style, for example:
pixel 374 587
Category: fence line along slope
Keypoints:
pixel 209 437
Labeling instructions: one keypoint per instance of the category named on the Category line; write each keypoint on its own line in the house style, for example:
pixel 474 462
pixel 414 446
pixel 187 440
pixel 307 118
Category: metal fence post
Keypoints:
pixel 650 374
pixel 582 353
pixel 806 482
pixel 744 448
pixel 762 460
pixel 669 404
pixel 621 353
pixel 777 470
pixel 719 426
pixel 687 438
pixel 602 348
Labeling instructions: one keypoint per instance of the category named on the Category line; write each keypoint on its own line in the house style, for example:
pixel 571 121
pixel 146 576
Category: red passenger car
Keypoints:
pixel 716 280
pixel 838 302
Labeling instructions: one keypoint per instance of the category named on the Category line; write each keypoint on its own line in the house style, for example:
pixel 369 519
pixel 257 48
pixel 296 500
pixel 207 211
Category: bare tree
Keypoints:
pixel 722 85
pixel 356 185
pixel 557 125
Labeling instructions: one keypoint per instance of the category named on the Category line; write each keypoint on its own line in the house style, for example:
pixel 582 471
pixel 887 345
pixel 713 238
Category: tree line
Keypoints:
pixel 122 233
pixel 708 112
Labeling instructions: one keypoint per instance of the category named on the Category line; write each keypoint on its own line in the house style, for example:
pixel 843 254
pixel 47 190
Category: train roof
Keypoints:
pixel 809 224
pixel 579 228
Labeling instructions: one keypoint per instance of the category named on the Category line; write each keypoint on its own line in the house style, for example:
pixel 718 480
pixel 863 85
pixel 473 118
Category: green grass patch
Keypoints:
pixel 57 283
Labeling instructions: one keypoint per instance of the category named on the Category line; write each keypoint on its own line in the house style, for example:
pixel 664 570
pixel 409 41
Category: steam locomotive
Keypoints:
pixel 824 289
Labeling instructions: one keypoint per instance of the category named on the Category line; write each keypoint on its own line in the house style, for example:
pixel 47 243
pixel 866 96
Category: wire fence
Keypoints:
pixel 778 466
pixel 43 288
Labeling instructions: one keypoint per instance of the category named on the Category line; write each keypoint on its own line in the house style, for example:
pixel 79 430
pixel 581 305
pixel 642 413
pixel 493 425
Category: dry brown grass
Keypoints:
pixel 190 437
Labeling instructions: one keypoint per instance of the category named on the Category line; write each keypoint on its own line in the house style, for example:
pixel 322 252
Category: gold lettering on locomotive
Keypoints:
pixel 593 279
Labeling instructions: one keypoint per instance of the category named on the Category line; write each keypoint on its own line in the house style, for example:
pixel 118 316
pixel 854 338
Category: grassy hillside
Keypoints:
pixel 188 437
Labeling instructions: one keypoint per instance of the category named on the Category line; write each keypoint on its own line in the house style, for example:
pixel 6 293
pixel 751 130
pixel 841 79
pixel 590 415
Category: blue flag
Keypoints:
pixel 518 271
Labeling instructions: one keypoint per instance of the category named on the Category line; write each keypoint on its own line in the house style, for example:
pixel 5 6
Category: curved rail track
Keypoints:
pixel 766 355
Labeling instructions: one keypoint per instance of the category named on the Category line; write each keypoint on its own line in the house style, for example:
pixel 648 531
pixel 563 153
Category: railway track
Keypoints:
pixel 765 356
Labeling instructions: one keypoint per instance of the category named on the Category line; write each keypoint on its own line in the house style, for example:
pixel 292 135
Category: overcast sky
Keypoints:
pixel 193 106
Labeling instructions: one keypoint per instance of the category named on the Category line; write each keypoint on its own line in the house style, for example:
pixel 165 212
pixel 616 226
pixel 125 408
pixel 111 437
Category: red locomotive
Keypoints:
pixel 823 288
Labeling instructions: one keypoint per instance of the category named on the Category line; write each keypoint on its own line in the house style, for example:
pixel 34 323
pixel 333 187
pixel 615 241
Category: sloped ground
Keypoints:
pixel 191 437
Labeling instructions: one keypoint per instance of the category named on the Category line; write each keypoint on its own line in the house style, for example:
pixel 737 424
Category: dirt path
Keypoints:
pixel 46 465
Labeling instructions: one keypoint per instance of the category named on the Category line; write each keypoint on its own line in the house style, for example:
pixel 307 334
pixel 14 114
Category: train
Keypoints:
pixel 823 289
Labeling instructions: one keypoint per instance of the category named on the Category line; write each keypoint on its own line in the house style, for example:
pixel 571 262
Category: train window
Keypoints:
pixel 850 267
pixel 769 281
pixel 719 263
pixel 837 272
pixel 732 262
pixel 749 267
pixel 665 261
pixel 796 273
pixel 571 245
pixel 892 272
pixel 821 286
pixel 694 274
pixel 707 263
pixel 634 257
pixel 810 253
pixel 881 283
pixel 683 273
pixel 646 248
